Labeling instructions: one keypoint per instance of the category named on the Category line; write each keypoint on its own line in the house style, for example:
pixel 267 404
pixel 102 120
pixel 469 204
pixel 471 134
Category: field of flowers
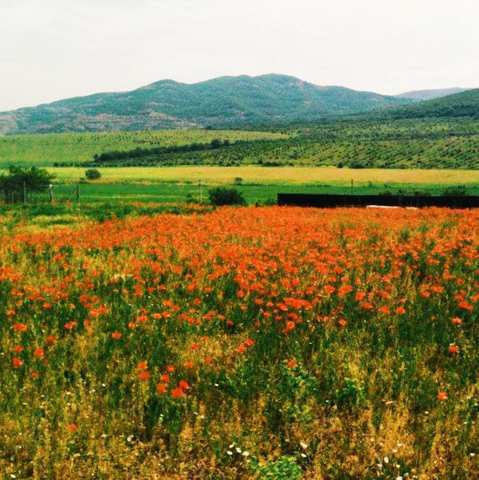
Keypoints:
pixel 270 343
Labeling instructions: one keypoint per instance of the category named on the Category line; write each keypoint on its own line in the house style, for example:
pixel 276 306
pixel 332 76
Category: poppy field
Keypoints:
pixel 256 342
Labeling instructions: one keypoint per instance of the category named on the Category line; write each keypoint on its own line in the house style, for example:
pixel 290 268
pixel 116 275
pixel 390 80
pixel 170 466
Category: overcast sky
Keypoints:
pixel 52 49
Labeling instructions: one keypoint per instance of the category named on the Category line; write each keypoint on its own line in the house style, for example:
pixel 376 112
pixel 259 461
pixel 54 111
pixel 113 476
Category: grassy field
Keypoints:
pixel 258 184
pixel 273 175
pixel 242 343
pixel 45 150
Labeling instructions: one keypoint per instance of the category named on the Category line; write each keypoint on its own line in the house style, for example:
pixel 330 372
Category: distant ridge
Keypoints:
pixel 220 102
pixel 464 104
pixel 420 95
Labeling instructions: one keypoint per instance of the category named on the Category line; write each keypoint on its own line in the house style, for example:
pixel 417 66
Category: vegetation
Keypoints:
pixel 242 343
pixel 139 153
pixel 19 182
pixel 220 102
pixel 80 148
pixel 92 174
pixel 405 144
pixel 326 177
pixel 221 196
pixel 420 95
pixel 464 104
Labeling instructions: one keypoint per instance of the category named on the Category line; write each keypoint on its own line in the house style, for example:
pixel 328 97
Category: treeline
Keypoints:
pixel 138 153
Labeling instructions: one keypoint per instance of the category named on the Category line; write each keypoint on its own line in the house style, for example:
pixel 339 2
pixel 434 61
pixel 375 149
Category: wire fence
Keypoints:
pixel 61 193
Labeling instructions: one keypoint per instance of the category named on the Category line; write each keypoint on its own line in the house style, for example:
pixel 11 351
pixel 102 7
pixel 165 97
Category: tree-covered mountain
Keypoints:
pixel 465 104
pixel 420 95
pixel 221 102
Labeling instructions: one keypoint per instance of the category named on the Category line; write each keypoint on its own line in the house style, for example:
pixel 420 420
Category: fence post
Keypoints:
pixel 24 192
pixel 50 192
pixel 77 192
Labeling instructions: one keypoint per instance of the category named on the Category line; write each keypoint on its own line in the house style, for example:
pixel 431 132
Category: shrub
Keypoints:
pixel 92 174
pixel 226 196
pixel 20 181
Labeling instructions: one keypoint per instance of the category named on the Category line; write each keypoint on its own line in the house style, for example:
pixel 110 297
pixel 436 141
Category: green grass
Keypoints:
pixel 253 193
pixel 258 184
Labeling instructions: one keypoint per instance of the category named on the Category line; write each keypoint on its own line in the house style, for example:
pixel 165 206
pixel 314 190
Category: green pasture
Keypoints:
pixel 258 184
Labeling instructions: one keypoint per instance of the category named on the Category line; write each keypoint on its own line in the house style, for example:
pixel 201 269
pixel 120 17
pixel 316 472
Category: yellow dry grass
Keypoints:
pixel 273 175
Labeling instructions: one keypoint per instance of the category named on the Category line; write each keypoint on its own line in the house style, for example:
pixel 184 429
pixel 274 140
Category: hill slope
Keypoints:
pixel 420 95
pixel 219 102
pixel 465 104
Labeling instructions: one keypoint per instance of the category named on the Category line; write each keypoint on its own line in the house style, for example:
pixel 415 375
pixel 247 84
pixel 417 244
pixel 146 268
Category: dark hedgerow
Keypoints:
pixel 226 196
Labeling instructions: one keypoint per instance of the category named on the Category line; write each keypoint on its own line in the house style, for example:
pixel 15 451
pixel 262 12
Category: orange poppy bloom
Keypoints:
pixel 292 363
pixel 39 352
pixel 161 388
pixel 72 427
pixel 184 385
pixel 144 375
pixel 289 326
pixel 442 396
pixel 116 335
pixel 143 365
pixel 453 349
pixel 17 362
pixel 20 327
pixel 178 393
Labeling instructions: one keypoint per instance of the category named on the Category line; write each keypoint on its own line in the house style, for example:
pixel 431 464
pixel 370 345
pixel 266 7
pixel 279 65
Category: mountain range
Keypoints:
pixel 220 102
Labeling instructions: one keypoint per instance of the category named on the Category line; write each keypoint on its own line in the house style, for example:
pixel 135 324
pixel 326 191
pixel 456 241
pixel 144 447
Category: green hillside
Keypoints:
pixel 464 104
pixel 77 148
pixel 410 143
pixel 221 102
pixel 405 143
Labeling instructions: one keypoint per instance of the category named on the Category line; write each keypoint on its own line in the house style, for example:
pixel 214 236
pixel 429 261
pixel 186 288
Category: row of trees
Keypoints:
pixel 138 153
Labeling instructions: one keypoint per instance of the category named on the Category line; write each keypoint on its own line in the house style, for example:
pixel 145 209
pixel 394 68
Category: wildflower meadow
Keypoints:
pixel 255 342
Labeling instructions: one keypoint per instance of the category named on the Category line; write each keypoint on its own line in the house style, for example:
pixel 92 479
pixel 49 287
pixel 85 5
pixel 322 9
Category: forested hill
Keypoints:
pixel 464 104
pixel 224 101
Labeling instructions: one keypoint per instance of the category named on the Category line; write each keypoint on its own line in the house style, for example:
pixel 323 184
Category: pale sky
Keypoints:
pixel 53 49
